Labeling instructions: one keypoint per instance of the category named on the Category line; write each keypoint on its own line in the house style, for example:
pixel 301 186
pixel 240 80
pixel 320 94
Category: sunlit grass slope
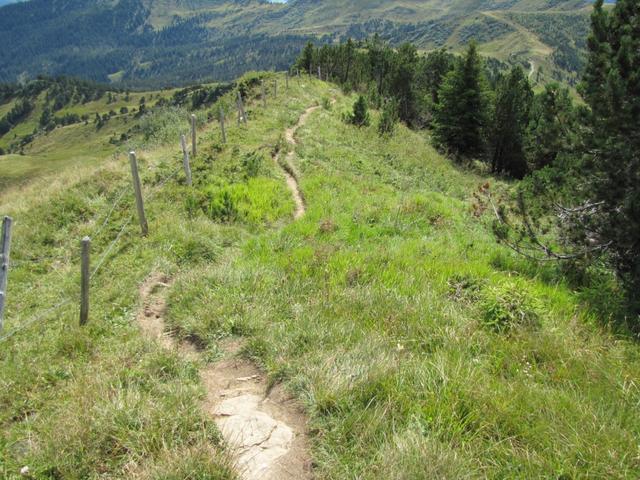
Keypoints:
pixel 419 347
pixel 75 145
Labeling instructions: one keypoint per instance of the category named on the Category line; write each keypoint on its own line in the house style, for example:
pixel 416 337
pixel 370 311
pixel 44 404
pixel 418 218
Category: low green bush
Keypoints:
pixel 508 305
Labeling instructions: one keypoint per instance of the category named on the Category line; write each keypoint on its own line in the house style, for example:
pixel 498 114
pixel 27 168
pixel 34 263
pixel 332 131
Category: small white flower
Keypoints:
pixel 24 471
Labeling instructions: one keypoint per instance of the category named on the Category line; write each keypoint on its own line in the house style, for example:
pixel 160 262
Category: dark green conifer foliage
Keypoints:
pixel 349 51
pixel 307 59
pixel 434 68
pixel 360 115
pixel 611 87
pixel 402 81
pixel 388 118
pixel 462 114
pixel 513 101
pixel 552 127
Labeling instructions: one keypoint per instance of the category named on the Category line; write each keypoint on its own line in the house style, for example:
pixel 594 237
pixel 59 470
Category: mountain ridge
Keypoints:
pixel 169 42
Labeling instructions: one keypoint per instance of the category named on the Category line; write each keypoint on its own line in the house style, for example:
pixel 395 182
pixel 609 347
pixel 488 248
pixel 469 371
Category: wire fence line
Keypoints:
pixel 103 258
pixel 113 208
pixel 34 319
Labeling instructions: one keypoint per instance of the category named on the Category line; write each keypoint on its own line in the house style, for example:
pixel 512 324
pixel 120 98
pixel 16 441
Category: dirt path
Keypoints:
pixel 533 68
pixel 287 168
pixel 265 429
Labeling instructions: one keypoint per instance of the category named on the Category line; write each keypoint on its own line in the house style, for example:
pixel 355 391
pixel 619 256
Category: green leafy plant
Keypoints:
pixel 251 164
pixel 509 305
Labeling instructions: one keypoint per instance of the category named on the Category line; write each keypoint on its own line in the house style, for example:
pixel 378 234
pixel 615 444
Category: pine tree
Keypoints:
pixel 388 118
pixel 552 127
pixel 379 62
pixel 513 101
pixel 360 115
pixel 306 60
pixel 349 50
pixel 434 68
pixel 461 116
pixel 611 87
pixel 402 81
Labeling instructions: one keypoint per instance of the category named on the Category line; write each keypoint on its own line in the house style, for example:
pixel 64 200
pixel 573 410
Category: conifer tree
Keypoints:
pixel 552 127
pixel 513 101
pixel 611 87
pixel 461 116
pixel 402 81
pixel 360 116
pixel 434 68
pixel 306 60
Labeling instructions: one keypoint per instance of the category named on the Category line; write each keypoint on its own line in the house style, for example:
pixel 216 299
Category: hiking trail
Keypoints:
pixel 287 168
pixel 264 427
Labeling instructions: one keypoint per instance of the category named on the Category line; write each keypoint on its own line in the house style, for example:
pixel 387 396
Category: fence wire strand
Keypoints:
pixel 24 325
pixel 38 317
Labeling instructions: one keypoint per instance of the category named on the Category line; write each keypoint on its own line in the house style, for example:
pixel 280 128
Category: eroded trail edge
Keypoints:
pixel 287 168
pixel 265 428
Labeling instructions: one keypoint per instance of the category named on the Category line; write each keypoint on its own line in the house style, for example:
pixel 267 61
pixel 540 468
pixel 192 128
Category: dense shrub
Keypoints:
pixel 388 119
pixel 509 305
pixel 360 115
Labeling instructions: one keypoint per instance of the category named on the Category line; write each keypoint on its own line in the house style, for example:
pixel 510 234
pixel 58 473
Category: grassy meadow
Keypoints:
pixel 76 145
pixel 418 346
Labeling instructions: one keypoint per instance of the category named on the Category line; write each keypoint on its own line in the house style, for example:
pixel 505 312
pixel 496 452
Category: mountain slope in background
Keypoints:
pixel 162 42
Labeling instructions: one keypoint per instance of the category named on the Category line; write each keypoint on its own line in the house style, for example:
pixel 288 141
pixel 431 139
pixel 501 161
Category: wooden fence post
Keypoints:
pixel 275 88
pixel 263 93
pixel 85 278
pixel 185 159
pixel 286 80
pixel 224 133
pixel 138 191
pixel 242 116
pixel 193 135
pixel 319 73
pixel 5 247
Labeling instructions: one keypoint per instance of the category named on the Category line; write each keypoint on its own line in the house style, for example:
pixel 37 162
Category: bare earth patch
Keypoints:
pixel 292 181
pixel 265 429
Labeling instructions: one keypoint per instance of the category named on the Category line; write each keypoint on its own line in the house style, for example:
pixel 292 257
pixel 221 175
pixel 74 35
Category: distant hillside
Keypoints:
pixel 163 42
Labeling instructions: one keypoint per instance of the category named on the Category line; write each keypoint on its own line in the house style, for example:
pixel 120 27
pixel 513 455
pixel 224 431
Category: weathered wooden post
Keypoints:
pixel 242 116
pixel 319 73
pixel 286 80
pixel 85 278
pixel 5 248
pixel 275 88
pixel 138 191
pixel 224 133
pixel 185 159
pixel 193 135
pixel 263 93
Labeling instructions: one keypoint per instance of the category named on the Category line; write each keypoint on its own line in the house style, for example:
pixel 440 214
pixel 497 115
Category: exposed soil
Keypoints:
pixel 292 181
pixel 265 429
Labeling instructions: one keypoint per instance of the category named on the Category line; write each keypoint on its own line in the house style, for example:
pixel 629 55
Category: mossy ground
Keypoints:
pixel 375 308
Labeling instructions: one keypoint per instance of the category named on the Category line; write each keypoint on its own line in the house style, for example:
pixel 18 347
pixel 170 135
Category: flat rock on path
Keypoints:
pixel 266 430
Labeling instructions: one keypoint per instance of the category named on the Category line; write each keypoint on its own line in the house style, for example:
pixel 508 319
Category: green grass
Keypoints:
pixel 419 347
pixel 55 151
